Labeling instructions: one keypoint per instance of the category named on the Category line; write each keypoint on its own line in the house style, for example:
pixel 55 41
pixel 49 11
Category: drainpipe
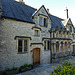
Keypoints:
pixel 50 48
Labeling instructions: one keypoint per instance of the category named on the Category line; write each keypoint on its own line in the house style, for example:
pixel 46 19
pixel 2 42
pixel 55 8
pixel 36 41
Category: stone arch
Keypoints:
pixel 57 34
pixel 65 46
pixel 57 46
pixel 62 46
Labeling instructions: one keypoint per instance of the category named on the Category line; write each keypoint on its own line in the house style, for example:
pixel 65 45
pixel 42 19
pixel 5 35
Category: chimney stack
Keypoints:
pixel 21 1
pixel 67 13
pixel 47 10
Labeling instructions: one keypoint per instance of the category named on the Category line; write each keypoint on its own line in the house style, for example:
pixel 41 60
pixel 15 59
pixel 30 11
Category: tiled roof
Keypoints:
pixel 15 10
pixel 23 12
pixel 56 22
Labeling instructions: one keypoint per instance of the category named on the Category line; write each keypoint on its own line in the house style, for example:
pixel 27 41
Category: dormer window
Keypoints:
pixel 71 29
pixel 43 21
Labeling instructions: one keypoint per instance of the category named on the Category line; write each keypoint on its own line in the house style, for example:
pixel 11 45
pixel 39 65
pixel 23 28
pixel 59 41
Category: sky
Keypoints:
pixel 56 7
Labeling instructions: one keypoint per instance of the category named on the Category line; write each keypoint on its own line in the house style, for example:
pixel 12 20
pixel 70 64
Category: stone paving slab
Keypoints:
pixel 44 69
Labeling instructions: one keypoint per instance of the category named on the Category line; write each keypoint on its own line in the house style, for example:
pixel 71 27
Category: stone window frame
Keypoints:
pixel 46 45
pixel 65 35
pixel 38 32
pixel 56 34
pixel 23 52
pixel 43 17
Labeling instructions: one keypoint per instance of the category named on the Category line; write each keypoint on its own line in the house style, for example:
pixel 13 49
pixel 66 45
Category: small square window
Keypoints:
pixel 36 33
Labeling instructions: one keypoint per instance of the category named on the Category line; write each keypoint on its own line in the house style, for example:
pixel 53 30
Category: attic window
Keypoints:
pixel 43 21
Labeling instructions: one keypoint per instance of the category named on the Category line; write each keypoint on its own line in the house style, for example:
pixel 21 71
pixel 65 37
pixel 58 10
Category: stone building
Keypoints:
pixel 25 35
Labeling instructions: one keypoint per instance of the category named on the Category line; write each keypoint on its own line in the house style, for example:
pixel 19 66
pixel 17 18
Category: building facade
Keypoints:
pixel 25 36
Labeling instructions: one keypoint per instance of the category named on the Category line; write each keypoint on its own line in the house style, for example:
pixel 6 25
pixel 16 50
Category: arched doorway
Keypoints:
pixel 61 46
pixel 73 48
pixel 36 56
pixel 57 47
pixel 65 46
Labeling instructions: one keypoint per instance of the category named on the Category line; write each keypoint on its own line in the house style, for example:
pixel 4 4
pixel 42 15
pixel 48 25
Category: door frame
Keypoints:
pixel 33 55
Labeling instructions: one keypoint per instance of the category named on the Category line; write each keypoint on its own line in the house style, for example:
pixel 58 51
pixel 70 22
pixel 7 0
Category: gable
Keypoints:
pixel 69 22
pixel 41 11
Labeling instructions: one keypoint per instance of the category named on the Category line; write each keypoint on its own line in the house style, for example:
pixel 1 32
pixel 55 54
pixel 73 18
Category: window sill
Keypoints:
pixel 43 26
pixel 22 52
pixel 37 35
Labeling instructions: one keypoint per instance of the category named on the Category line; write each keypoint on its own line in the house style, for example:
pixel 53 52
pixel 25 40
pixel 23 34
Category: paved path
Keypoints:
pixel 44 69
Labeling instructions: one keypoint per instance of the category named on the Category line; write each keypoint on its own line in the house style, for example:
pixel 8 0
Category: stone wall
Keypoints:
pixel 9 56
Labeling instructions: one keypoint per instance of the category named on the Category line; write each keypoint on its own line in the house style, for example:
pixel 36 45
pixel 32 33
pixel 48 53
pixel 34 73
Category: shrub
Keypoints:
pixel 25 66
pixel 66 68
pixel 12 69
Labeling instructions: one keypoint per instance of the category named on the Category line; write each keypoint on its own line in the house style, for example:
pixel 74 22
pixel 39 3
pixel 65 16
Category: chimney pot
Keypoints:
pixel 47 10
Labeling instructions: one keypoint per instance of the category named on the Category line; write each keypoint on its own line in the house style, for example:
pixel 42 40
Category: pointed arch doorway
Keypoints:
pixel 36 56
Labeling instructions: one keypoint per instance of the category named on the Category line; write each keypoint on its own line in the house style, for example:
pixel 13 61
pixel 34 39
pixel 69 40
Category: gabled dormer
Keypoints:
pixel 41 17
pixel 69 25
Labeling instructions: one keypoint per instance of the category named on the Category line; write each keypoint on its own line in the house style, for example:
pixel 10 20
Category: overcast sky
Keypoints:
pixel 56 7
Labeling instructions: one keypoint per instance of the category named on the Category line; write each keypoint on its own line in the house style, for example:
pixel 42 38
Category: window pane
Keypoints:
pixel 41 21
pixel 71 29
pixel 36 32
pixel 25 45
pixel 44 45
pixel 48 45
pixel 44 22
pixel 19 45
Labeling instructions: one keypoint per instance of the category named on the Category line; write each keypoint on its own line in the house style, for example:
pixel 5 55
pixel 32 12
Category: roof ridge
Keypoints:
pixel 24 4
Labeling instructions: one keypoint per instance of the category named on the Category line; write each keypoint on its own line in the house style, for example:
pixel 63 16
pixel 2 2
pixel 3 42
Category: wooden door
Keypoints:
pixel 36 56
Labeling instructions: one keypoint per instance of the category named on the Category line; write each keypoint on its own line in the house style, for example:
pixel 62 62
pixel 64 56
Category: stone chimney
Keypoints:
pixel 21 1
pixel 47 10
pixel 67 13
